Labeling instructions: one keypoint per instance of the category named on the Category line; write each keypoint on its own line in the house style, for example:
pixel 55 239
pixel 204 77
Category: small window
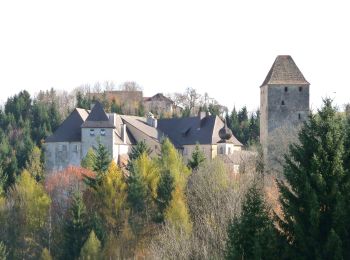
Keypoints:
pixel 285 89
pixel 60 148
pixel 221 150
pixel 76 148
pixel 103 132
pixel 299 116
pixel 282 103
pixel 92 132
pixel 300 89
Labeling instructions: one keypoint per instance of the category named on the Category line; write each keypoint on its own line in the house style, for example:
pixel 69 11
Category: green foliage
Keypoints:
pixel 198 157
pixel 76 227
pixel 45 255
pixel 137 191
pixel 89 160
pixel 315 196
pixel 34 165
pixel 102 160
pixel 83 101
pixel 138 150
pixel 3 252
pixel 91 249
pixel 27 217
pixel 164 193
pixel 252 235
pixel 246 130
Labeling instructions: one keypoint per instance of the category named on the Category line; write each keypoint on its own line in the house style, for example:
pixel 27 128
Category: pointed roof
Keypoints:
pixel 97 117
pixel 285 71
pixel 69 130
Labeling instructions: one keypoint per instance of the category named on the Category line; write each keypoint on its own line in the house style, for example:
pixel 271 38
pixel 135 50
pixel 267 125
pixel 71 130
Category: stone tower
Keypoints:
pixel 284 105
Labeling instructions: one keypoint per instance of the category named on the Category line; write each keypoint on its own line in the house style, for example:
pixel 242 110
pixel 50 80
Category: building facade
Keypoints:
pixel 85 129
pixel 284 105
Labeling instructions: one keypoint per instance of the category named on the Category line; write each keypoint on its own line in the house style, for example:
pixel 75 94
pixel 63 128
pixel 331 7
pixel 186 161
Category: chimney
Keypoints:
pixel 123 133
pixel 151 121
pixel 202 115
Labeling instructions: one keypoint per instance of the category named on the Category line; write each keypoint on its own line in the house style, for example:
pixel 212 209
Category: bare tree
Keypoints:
pixel 130 86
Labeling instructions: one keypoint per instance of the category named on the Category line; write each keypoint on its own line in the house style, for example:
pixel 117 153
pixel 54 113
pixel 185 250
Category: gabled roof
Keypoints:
pixel 192 130
pixel 69 130
pixel 284 71
pixel 97 118
pixel 158 97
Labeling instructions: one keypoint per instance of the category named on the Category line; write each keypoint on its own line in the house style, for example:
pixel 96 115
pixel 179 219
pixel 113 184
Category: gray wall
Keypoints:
pixel 59 155
pixel 275 115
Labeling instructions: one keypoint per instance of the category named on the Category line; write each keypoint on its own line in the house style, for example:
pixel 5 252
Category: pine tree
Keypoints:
pixel 102 160
pixel 88 160
pixel 136 151
pixel 164 193
pixel 91 249
pixel 198 157
pixel 315 195
pixel 252 235
pixel 76 227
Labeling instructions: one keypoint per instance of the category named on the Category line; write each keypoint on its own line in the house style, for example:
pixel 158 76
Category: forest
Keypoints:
pixel 163 207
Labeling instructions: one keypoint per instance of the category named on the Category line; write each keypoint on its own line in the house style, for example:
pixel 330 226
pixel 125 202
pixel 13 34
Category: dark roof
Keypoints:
pixel 285 71
pixel 192 130
pixel 158 97
pixel 69 130
pixel 97 118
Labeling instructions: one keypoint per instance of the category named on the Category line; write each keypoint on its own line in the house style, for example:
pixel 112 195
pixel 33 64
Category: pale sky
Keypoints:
pixel 225 48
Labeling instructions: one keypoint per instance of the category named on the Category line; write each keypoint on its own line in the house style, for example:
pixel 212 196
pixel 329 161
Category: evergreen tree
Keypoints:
pixel 138 150
pixel 252 235
pixel 76 227
pixel 91 249
pixel 197 158
pixel 102 160
pixel 137 191
pixel 164 193
pixel 34 165
pixel 89 159
pixel 315 195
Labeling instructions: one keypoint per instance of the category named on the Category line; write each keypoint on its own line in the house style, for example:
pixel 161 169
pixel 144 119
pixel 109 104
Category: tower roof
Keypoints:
pixel 285 71
pixel 97 117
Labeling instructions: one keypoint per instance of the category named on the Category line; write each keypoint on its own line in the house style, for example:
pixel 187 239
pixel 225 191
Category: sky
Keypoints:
pixel 224 48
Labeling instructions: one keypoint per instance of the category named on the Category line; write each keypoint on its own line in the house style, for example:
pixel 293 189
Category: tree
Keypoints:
pixel 101 161
pixel 138 150
pixel 164 193
pixel 34 165
pixel 315 194
pixel 27 217
pixel 91 249
pixel 197 158
pixel 76 227
pixel 252 235
pixel 89 160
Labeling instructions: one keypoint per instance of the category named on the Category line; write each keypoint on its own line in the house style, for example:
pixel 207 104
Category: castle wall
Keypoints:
pixel 59 155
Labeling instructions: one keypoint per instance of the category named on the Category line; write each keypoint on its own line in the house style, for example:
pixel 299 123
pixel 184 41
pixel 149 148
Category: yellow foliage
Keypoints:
pixel 177 213
pixel 112 194
pixel 149 171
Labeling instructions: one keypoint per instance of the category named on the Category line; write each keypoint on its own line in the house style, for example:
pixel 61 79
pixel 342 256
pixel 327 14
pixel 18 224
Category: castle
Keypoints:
pixel 284 105
pixel 84 129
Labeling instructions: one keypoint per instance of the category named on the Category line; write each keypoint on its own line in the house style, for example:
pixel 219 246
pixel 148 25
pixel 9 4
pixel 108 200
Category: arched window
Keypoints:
pixel 282 103
pixel 285 89
pixel 300 89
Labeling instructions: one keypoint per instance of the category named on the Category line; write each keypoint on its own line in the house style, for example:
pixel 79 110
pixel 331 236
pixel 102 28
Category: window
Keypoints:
pixel 285 89
pixel 60 148
pixel 221 150
pixel 300 89
pixel 76 148
pixel 299 116
pixel 92 132
pixel 103 132
pixel 282 103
